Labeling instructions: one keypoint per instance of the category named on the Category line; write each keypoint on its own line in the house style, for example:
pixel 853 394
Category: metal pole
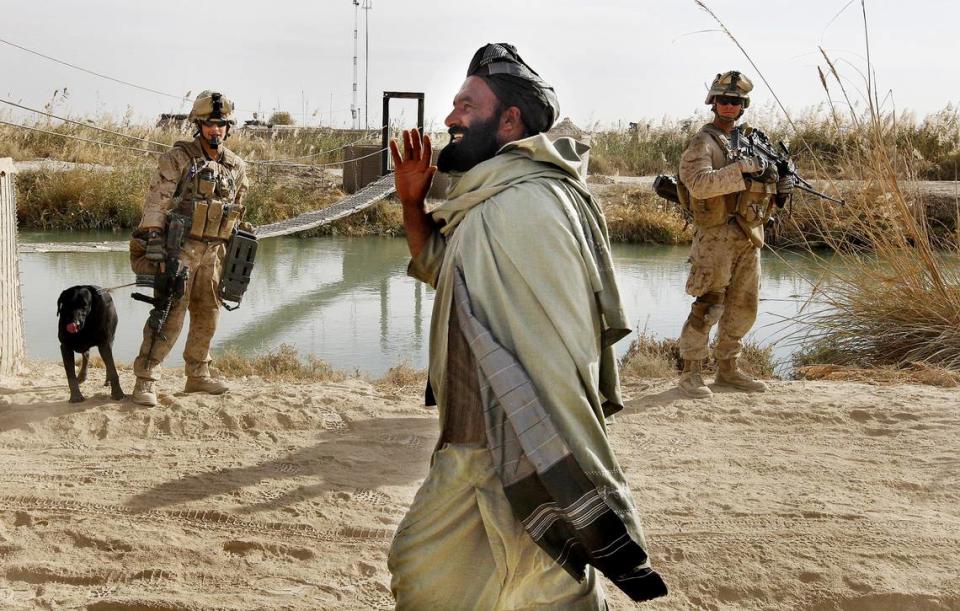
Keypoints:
pixel 420 112
pixel 385 154
pixel 367 5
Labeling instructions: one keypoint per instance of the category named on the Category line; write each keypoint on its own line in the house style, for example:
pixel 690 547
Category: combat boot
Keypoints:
pixel 144 393
pixel 691 382
pixel 205 384
pixel 729 375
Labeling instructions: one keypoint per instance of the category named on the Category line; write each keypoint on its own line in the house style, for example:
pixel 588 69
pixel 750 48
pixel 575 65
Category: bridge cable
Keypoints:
pixel 82 124
pixel 104 76
pixel 44 131
pixel 182 98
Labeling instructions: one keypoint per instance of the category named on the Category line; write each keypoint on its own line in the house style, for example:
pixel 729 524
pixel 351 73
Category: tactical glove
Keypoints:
pixel 245 226
pixel 768 176
pixel 154 248
pixel 752 165
pixel 785 185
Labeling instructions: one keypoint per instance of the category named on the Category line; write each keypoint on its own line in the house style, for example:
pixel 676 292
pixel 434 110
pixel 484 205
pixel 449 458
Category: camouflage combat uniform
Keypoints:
pixel 202 256
pixel 729 211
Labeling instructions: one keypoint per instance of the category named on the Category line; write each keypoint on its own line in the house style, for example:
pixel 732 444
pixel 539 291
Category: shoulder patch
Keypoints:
pixel 172 164
pixel 231 159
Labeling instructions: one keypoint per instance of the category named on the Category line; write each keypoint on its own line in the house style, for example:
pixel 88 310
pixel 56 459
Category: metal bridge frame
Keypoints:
pixel 387 96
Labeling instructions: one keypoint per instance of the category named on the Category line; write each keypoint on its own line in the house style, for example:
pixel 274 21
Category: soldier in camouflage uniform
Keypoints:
pixel 730 200
pixel 205 182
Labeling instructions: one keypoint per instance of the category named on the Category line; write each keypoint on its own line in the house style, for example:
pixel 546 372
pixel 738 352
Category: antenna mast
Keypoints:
pixel 354 108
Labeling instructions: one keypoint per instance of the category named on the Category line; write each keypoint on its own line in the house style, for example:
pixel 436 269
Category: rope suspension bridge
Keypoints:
pixel 366 197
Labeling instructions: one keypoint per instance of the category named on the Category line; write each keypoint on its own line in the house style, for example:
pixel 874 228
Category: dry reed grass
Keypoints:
pixel 898 304
pixel 931 144
pixel 918 373
pixel 402 378
pixel 282 363
pixel 652 357
pixel 638 215
pixel 322 145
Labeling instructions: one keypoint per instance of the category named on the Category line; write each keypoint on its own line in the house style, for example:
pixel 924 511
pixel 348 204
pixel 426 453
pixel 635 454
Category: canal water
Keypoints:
pixel 349 301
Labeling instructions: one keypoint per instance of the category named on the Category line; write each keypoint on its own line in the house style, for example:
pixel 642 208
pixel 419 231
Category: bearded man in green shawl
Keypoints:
pixel 524 498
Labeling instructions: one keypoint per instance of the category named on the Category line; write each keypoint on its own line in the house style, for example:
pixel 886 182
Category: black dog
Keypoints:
pixel 87 318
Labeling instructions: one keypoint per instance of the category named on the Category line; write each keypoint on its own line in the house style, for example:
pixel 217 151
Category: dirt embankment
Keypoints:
pixel 817 495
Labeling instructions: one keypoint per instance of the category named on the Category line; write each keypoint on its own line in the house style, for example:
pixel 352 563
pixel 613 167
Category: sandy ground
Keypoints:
pixel 817 495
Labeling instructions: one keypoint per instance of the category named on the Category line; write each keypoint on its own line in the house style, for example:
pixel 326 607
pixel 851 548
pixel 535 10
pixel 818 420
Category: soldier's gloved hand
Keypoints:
pixel 245 226
pixel 769 175
pixel 752 165
pixel 154 247
pixel 785 185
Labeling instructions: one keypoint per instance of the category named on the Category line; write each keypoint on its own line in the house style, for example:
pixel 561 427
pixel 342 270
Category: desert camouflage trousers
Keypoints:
pixel 725 279
pixel 205 262
pixel 460 547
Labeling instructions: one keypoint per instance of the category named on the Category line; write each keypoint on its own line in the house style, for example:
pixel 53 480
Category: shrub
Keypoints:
pixel 281 117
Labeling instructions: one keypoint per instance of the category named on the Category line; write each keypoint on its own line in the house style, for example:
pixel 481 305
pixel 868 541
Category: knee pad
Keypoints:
pixel 698 317
pixel 713 315
pixel 706 311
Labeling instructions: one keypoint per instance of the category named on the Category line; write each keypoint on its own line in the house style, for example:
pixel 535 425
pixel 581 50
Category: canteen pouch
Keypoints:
pixel 237 268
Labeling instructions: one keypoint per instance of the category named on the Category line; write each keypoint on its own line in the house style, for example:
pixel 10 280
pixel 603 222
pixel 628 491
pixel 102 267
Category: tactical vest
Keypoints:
pixel 207 195
pixel 750 208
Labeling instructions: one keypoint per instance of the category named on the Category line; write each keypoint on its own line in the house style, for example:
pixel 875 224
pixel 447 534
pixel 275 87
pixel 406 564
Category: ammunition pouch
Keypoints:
pixel 754 209
pixel 237 268
pixel 713 211
pixel 206 196
pixel 214 220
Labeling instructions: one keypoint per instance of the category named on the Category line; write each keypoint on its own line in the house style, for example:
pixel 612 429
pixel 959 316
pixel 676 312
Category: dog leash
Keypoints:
pixel 117 287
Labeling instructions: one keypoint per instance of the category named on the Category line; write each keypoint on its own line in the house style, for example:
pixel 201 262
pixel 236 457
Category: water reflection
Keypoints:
pixel 349 301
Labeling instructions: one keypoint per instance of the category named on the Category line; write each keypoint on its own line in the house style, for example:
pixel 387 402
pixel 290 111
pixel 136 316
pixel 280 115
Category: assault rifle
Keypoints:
pixel 168 284
pixel 753 142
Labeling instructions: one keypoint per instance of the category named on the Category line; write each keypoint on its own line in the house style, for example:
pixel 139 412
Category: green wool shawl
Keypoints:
pixel 532 248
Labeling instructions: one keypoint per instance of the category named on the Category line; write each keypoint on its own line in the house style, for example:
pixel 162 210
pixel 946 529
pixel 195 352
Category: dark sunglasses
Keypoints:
pixel 214 122
pixel 727 100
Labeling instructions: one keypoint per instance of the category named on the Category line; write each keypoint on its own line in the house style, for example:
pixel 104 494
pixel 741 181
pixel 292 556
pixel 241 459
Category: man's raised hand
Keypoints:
pixel 412 172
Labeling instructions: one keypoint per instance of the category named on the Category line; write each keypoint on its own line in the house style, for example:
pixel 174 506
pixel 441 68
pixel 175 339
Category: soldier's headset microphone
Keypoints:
pixel 217 112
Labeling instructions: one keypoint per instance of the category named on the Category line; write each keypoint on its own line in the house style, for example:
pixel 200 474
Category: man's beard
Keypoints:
pixel 477 144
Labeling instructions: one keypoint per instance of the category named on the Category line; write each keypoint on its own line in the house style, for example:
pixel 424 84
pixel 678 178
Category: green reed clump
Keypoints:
pixel 276 194
pixel 81 199
pixel 384 219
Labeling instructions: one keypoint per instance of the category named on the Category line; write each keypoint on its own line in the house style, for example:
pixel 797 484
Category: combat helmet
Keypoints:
pixel 733 84
pixel 212 106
